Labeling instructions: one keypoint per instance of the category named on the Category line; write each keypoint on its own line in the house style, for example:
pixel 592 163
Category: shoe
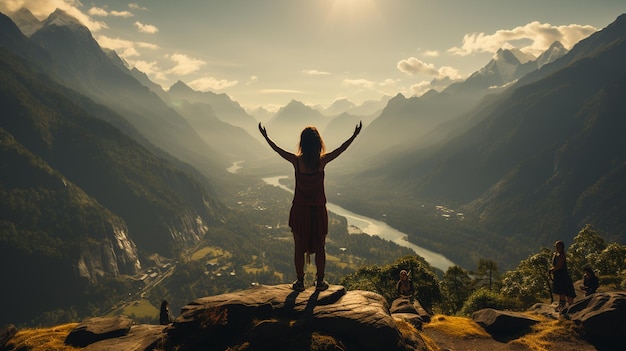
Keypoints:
pixel 321 285
pixel 559 307
pixel 298 285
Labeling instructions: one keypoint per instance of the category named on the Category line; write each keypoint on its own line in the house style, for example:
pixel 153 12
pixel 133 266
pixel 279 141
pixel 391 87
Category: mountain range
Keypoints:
pixel 101 167
pixel 531 164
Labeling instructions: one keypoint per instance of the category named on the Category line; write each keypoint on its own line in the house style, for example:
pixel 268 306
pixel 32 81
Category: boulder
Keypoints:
pixel 140 338
pixel 6 333
pixel 403 305
pixel 410 318
pixel 497 322
pixel 602 316
pixel 98 328
pixel 546 310
pixel 273 315
pixel 410 311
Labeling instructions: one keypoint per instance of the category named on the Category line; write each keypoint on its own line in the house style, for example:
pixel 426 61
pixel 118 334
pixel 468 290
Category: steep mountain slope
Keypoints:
pixel 222 105
pixel 52 234
pixel 14 40
pixel 416 121
pixel 232 138
pixel 288 122
pixel 544 157
pixel 80 64
pixel 234 143
pixel 159 202
pixel 82 201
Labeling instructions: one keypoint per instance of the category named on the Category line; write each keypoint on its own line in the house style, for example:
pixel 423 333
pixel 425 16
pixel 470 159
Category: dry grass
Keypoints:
pixel 42 339
pixel 413 338
pixel 460 327
pixel 548 334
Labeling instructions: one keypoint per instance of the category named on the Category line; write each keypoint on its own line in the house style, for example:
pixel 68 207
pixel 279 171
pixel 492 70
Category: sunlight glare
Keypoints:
pixel 351 11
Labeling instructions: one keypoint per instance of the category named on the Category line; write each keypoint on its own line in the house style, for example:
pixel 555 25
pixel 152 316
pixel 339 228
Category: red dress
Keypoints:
pixel 308 217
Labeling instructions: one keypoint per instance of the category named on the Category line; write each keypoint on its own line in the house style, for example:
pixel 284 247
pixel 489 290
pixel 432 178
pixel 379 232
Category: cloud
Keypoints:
pixel 125 48
pixel 388 82
pixel 184 64
pixel 314 72
pixel 151 68
pixel 450 72
pixel 135 6
pixel 532 38
pixel 414 66
pixel 124 14
pixel 43 8
pixel 146 28
pixel 361 83
pixel 99 12
pixel 252 80
pixel 431 53
pixel 420 88
pixel 210 83
pixel 281 91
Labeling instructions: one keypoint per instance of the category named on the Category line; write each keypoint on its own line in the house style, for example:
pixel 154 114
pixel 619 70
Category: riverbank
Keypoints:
pixel 371 226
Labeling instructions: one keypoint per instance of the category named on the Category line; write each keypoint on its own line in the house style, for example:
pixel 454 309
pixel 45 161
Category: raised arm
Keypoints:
pixel 283 153
pixel 338 151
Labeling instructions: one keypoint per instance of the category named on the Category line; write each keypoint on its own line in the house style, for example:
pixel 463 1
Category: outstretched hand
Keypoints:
pixel 262 130
pixel 358 127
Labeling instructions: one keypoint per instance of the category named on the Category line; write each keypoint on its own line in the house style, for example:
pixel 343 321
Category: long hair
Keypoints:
pixel 311 148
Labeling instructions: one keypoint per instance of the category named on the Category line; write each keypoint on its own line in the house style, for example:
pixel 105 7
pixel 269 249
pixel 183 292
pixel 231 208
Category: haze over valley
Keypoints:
pixel 113 185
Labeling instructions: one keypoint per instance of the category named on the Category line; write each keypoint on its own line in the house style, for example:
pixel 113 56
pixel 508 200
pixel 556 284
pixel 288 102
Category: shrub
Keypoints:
pixel 483 298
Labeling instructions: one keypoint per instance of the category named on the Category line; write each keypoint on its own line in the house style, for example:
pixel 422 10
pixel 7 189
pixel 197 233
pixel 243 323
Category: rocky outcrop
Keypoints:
pixel 497 322
pixel 113 255
pixel 95 329
pixel 259 318
pixel 410 311
pixel 279 317
pixel 6 333
pixel 602 316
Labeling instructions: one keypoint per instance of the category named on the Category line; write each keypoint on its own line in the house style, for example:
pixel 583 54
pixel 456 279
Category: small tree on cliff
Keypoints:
pixel 585 249
pixel 458 286
pixel 529 282
pixel 382 280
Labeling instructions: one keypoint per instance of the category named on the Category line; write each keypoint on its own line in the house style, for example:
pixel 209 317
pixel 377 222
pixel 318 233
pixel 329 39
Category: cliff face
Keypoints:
pixel 263 318
pixel 113 255
pixel 278 318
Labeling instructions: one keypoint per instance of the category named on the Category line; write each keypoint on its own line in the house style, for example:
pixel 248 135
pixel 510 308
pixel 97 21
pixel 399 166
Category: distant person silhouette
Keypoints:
pixel 405 285
pixel 590 281
pixel 165 316
pixel 562 284
pixel 308 217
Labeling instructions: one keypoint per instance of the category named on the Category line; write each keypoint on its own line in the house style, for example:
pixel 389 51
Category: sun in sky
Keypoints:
pixel 267 53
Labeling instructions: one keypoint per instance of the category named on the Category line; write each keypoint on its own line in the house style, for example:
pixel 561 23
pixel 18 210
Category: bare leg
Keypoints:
pixel 298 256
pixel 320 263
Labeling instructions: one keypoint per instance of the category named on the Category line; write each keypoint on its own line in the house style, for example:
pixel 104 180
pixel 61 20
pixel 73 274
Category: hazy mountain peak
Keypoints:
pixel 295 104
pixel 339 106
pixel 62 19
pixel 397 99
pixel 522 56
pixel 26 21
pixel 555 51
pixel 505 64
pixel 180 88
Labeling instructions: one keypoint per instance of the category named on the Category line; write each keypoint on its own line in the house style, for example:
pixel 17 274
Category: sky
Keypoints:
pixel 269 52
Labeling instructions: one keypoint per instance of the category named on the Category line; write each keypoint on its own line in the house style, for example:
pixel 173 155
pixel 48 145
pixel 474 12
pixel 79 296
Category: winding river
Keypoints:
pixel 378 228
